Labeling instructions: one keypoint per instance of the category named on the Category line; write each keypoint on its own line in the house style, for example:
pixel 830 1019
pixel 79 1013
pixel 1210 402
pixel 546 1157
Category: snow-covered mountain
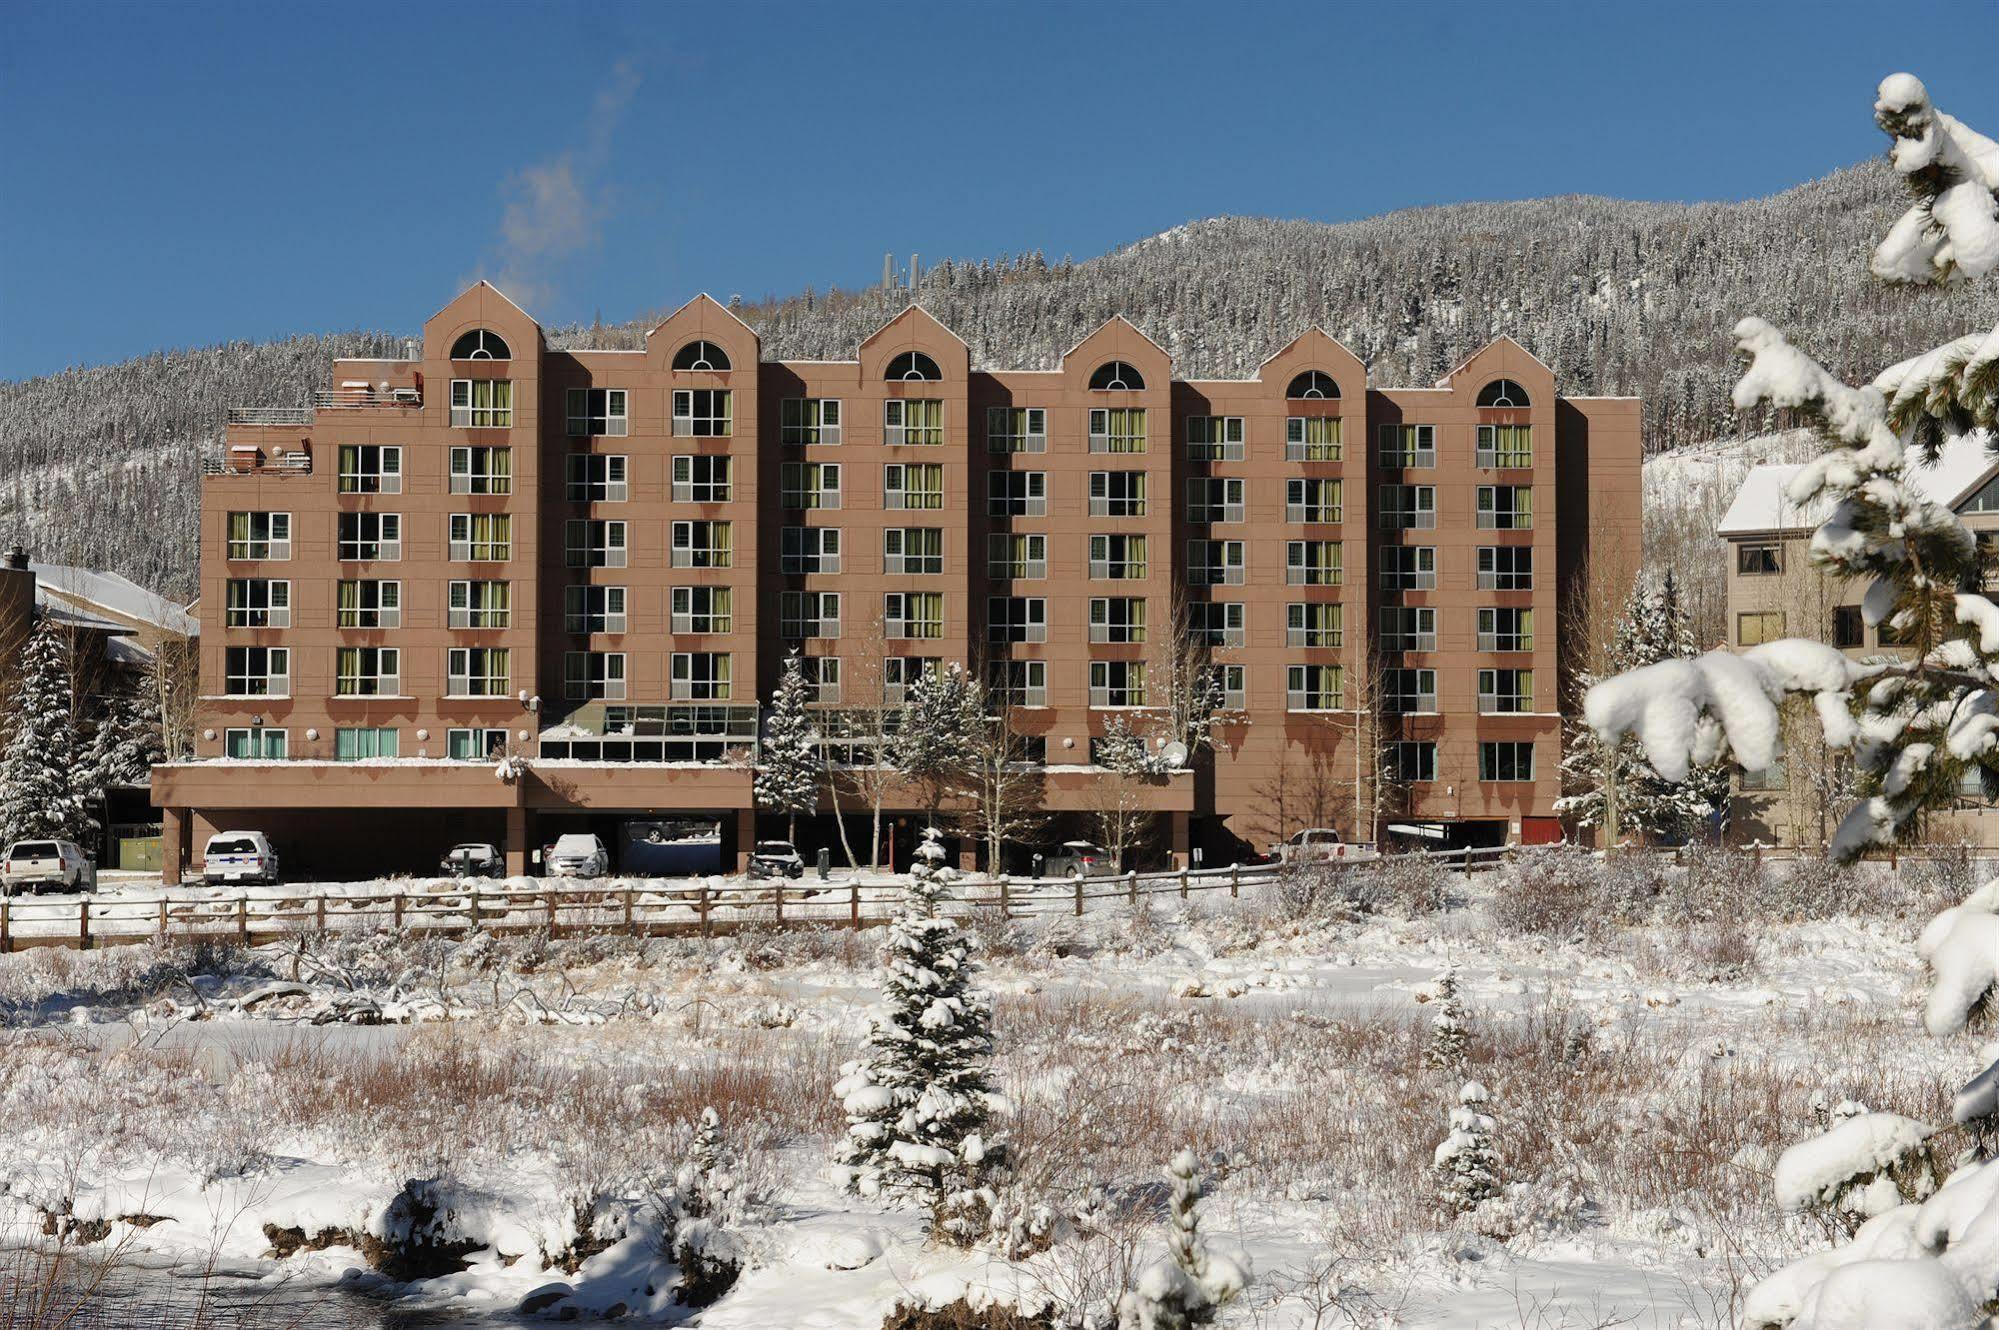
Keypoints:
pixel 99 465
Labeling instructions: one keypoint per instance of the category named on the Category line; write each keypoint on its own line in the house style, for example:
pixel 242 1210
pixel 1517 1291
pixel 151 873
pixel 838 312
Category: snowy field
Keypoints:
pixel 480 1131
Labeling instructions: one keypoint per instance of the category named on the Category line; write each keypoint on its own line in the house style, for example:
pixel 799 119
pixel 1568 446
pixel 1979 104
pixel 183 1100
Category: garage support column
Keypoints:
pixel 746 837
pixel 173 840
pixel 517 842
pixel 1179 828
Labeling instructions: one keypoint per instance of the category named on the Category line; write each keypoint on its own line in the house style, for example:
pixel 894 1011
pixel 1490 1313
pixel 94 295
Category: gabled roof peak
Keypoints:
pixel 694 300
pixel 1117 319
pixel 490 287
pixel 1318 328
pixel 1505 338
pixel 916 307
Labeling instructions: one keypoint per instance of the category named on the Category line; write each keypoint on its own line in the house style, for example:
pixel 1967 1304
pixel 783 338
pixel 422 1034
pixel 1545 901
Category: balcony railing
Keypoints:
pixel 327 399
pixel 270 415
pixel 255 463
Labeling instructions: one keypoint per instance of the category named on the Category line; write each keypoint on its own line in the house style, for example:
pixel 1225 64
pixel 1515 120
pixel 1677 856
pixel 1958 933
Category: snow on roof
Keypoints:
pixel 69 614
pixel 119 595
pixel 1764 504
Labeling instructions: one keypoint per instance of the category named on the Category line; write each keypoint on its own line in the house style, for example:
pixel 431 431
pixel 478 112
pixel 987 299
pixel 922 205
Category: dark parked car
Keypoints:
pixel 474 860
pixel 776 858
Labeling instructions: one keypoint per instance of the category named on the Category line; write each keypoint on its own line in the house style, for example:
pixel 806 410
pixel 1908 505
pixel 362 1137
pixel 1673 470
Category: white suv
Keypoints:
pixel 47 863
pixel 578 854
pixel 239 856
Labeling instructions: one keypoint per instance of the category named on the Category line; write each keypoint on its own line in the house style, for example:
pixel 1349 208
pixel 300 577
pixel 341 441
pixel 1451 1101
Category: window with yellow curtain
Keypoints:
pixel 1117 429
pixel 1505 445
pixel 1312 439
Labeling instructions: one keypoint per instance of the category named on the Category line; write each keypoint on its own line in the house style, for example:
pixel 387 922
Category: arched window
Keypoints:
pixel 913 365
pixel 1116 376
pixel 701 355
pixel 1313 383
pixel 1502 392
pixel 481 344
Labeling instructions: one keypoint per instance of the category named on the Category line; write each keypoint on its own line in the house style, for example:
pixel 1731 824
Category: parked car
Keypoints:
pixel 577 854
pixel 1313 845
pixel 34 864
pixel 473 859
pixel 776 858
pixel 1080 858
pixel 239 856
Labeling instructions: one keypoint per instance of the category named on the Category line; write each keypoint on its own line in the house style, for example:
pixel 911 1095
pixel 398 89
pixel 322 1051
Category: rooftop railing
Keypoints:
pixel 270 415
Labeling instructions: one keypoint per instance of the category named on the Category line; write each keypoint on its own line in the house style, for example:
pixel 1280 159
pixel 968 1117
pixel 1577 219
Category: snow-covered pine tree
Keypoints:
pixel 1466 1164
pixel 790 763
pixel 936 731
pixel 922 1116
pixel 1916 725
pixel 126 743
pixel 1192 1284
pixel 43 786
pixel 1450 1028
pixel 702 1214
pixel 1118 809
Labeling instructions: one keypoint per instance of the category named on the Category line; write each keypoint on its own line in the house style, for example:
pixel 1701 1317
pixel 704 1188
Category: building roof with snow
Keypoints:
pixel 1763 505
pixel 109 595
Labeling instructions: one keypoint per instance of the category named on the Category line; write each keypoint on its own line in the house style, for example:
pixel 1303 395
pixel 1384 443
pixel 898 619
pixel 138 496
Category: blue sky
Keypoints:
pixel 180 174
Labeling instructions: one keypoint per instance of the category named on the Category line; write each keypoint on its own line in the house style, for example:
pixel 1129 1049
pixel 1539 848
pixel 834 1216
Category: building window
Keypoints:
pixel 368 468
pixel 702 545
pixel 475 745
pixel 1312 439
pixel 1505 629
pixel 1409 692
pixel 809 614
pixel 1313 384
pixel 600 675
pixel 1848 629
pixel 701 609
pixel 1773 779
pixel 366 603
pixel 822 676
pixel 1408 628
pixel 702 479
pixel 913 549
pixel 1314 563
pixel 595 479
pixel 1316 624
pixel 1408 567
pixel 900 673
pixel 481 344
pixel 1016 619
pixel 1118 558
pixel 476 671
pixel 1214 439
pixel 809 549
pixel 593 609
pixel 1314 501
pixel 481 537
pixel 804 421
pixel 917 421
pixel 1117 683
pixel 911 485
pixel 1408 507
pixel 260 536
pixel 698 676
pixel 1117 429
pixel 1314 687
pixel 1759 560
pixel 257 671
pixel 1016 429
pixel 1117 619
pixel 598 411
pixel 482 403
pixel 1405 446
pixel 1213 499
pixel 1116 376
pixel 912 366
pixel 364 743
pixel 1507 760
pixel 1235 687
pixel 702 355
pixel 913 614
pixel 1505 507
pixel 1505 446
pixel 1117 494
pixel 258 602
pixel 367 672
pixel 1502 392
pixel 1014 556
pixel 1412 762
pixel 1220 623
pixel 594 543
pixel 255 745
pixel 1754 627
pixel 809 485
pixel 1016 493
pixel 1505 692
pixel 1023 683
pixel 702 413
pixel 1214 563
pixel 482 470
pixel 1505 568
pixel 370 537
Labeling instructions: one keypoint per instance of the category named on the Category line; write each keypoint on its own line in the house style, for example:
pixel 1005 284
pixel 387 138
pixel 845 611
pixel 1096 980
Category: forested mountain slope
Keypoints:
pixel 99 465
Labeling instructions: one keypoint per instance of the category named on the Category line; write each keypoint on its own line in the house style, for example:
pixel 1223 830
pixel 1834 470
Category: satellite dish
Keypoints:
pixel 1174 756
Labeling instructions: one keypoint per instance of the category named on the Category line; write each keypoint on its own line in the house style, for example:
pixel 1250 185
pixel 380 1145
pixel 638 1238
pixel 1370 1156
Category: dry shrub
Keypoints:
pixel 1555 891
pixel 1417 884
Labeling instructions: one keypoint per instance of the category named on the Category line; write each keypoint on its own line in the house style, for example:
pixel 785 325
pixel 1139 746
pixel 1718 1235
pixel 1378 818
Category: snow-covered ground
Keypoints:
pixel 266 1111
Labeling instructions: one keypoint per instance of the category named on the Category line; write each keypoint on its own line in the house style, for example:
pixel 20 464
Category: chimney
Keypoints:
pixel 17 558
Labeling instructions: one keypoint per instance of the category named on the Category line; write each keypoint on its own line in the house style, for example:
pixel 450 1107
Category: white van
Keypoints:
pixel 47 863
pixel 239 856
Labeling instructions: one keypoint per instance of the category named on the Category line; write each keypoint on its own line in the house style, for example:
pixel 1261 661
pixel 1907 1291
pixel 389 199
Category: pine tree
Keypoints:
pixel 701 1214
pixel 1193 1283
pixel 43 787
pixel 1450 1028
pixel 126 743
pixel 936 731
pixel 921 1111
pixel 790 764
pixel 1466 1164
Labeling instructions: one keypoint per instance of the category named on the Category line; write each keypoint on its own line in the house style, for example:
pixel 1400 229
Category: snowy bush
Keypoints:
pixel 1192 1283
pixel 702 1215
pixel 1319 892
pixel 1450 1028
pixel 1418 884
pixel 1864 1165
pixel 1555 891
pixel 1466 1163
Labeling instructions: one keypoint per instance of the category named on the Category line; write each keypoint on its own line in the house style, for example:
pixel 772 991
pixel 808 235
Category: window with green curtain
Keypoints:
pixel 359 743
